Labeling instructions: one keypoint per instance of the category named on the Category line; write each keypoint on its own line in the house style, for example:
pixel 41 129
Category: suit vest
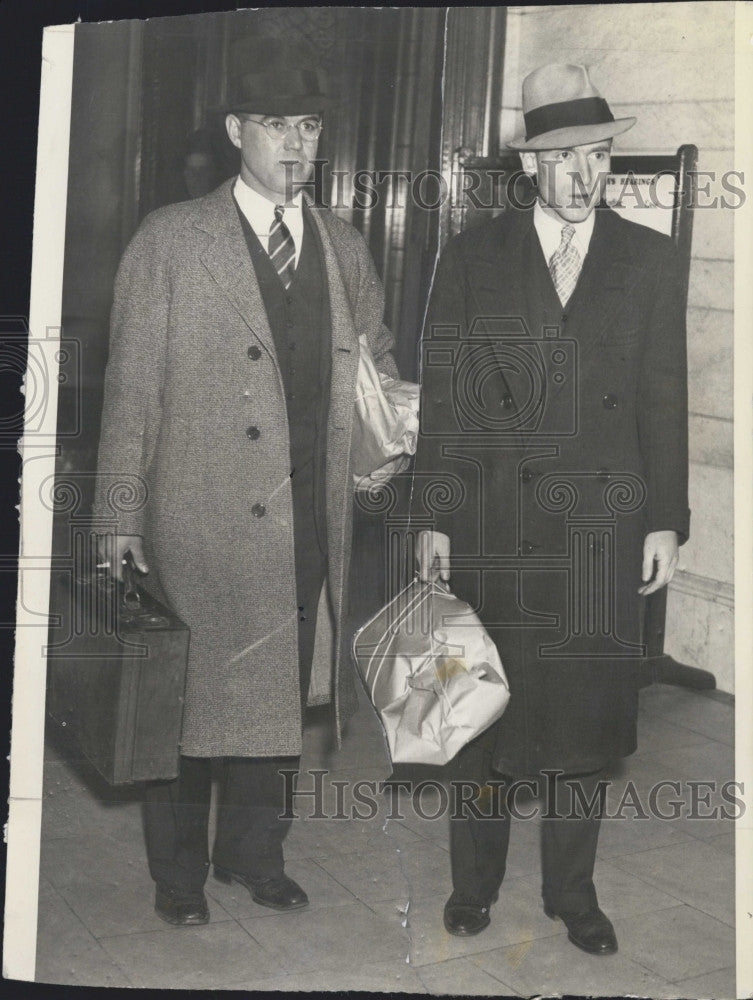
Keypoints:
pixel 301 326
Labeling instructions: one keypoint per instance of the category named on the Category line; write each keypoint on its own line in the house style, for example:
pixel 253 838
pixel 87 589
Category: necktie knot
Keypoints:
pixel 567 234
pixel 280 211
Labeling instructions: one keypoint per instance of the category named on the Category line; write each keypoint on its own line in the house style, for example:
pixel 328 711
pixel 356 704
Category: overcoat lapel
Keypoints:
pixel 605 288
pixel 608 278
pixel 496 267
pixel 227 259
pixel 607 282
pixel 497 281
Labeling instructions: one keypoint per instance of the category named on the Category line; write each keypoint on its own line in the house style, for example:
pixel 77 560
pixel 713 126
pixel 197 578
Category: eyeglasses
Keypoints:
pixel 278 129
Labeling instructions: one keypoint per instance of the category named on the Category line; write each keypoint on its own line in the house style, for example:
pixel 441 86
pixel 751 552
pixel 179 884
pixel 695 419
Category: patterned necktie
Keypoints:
pixel 564 265
pixel 282 248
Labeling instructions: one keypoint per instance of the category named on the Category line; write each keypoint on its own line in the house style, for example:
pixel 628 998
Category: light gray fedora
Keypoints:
pixel 562 108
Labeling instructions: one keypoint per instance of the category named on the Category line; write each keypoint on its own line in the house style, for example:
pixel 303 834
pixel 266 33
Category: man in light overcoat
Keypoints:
pixel 229 396
pixel 554 406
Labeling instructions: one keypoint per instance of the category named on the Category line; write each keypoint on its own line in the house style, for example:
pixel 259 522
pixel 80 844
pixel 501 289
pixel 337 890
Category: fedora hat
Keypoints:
pixel 562 108
pixel 271 76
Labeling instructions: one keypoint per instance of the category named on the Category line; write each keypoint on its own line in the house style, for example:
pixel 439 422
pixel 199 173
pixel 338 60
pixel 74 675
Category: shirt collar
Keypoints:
pixel 260 211
pixel 549 231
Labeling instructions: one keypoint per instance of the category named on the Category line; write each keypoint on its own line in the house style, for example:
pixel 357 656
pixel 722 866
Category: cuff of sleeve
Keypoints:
pixel 671 520
pixel 121 497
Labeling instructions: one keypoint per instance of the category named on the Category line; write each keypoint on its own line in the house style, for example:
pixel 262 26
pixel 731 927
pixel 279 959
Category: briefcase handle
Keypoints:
pixel 130 593
pixel 136 605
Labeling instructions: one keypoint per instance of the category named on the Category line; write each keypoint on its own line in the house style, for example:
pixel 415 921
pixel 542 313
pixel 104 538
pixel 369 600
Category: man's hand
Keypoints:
pixel 433 556
pixel 660 550
pixel 391 468
pixel 381 475
pixel 112 550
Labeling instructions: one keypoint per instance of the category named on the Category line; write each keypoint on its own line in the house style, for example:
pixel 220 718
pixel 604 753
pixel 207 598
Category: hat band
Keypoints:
pixel 296 81
pixel 566 114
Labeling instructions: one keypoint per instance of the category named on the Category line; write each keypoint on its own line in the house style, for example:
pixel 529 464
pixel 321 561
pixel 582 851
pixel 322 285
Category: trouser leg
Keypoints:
pixel 250 831
pixel 478 854
pixel 310 573
pixel 176 817
pixel 568 847
pixel 309 592
pixel 478 846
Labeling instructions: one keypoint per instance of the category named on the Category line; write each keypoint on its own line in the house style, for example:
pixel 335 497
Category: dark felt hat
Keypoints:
pixel 272 76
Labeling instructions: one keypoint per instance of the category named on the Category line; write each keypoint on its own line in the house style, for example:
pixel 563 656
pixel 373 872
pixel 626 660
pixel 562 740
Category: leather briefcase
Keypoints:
pixel 116 675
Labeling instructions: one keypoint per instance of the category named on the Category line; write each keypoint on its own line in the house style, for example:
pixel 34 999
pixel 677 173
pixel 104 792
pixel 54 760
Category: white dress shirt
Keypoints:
pixel 260 214
pixel 549 231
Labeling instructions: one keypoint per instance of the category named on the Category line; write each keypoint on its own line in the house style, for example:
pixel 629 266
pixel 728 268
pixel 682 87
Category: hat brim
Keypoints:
pixel 292 105
pixel 573 135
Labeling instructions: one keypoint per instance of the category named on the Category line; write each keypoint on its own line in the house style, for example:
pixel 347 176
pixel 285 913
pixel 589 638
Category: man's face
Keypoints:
pixel 570 181
pixel 275 160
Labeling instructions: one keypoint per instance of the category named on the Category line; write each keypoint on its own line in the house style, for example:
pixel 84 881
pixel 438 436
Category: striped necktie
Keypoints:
pixel 282 248
pixel 564 265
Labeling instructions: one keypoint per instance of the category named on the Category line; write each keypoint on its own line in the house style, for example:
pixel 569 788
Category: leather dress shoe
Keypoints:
pixel 465 916
pixel 278 892
pixel 591 931
pixel 180 910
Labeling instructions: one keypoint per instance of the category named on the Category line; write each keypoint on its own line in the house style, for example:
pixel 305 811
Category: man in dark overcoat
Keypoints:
pixel 554 411
pixel 229 401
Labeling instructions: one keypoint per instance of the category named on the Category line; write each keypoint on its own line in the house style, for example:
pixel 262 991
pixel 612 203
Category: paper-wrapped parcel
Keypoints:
pixel 432 673
pixel 386 418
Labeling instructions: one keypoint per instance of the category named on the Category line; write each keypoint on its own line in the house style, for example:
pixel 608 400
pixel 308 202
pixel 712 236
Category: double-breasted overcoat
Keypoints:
pixel 552 441
pixel 192 366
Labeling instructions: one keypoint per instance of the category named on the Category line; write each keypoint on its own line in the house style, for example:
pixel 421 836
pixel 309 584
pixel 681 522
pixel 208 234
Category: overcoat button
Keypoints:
pixel 526 475
pixel 254 352
pixel 603 474
pixel 506 402
pixel 258 510
pixel 609 402
pixel 254 433
pixel 527 547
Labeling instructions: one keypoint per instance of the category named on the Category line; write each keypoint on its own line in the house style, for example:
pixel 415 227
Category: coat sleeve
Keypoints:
pixel 369 313
pixel 133 380
pixel 663 402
